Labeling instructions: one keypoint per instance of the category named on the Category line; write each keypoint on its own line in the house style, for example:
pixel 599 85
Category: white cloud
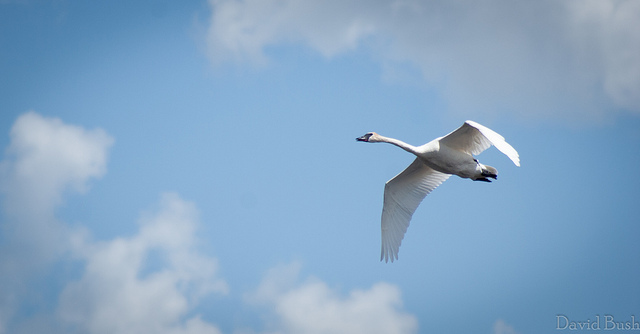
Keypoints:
pixel 241 29
pixel 501 327
pixel 610 29
pixel 313 307
pixel 569 58
pixel 146 283
pixel 44 159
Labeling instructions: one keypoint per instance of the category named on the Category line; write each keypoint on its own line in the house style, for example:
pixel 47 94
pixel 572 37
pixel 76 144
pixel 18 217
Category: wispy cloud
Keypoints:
pixel 146 283
pixel 241 30
pixel 45 159
pixel 501 327
pixel 313 307
pixel 568 59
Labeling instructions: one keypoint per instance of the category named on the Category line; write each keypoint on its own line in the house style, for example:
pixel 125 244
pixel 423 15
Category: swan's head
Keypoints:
pixel 369 137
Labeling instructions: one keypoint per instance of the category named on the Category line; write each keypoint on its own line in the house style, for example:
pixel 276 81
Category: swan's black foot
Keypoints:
pixel 483 179
pixel 486 173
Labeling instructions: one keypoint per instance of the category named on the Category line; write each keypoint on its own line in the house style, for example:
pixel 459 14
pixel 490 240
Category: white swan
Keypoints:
pixel 435 162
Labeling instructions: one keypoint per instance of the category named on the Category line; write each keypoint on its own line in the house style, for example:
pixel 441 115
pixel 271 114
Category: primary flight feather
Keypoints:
pixel 435 162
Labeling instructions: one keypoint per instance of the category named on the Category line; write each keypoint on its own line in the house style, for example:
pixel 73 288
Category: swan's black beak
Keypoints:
pixel 364 138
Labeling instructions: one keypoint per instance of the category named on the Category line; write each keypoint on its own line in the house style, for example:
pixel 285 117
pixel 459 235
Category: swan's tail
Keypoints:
pixel 487 172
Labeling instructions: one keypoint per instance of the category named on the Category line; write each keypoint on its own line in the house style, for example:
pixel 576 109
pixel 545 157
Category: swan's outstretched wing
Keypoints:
pixel 473 138
pixel 402 195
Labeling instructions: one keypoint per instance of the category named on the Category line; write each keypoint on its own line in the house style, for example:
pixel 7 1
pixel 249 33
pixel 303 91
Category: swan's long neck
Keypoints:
pixel 399 143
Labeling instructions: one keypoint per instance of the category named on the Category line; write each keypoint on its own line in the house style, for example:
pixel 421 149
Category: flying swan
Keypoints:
pixel 435 162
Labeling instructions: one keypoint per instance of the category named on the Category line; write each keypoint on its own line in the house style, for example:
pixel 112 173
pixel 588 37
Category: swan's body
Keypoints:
pixel 435 162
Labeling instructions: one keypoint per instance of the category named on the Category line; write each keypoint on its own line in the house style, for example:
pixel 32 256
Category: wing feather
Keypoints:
pixel 473 138
pixel 402 195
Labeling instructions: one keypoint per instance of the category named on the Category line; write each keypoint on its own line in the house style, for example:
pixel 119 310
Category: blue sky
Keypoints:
pixel 191 167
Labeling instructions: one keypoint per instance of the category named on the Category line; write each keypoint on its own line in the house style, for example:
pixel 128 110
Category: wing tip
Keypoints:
pixel 387 254
pixel 501 145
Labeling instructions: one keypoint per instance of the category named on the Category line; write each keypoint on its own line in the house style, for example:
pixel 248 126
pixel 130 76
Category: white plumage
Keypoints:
pixel 435 162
